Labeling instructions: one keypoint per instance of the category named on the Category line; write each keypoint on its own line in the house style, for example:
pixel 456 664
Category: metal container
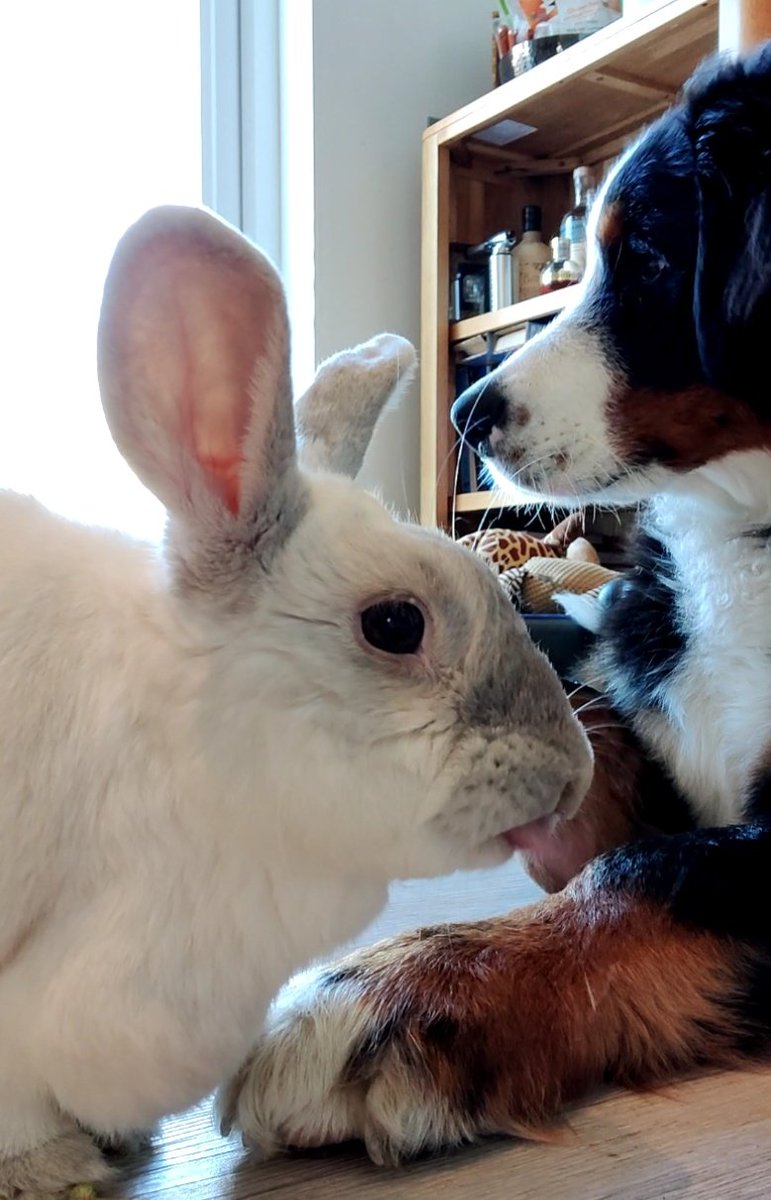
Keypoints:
pixel 502 287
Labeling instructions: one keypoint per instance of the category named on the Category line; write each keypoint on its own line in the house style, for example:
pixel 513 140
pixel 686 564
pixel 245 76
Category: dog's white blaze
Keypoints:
pixel 562 381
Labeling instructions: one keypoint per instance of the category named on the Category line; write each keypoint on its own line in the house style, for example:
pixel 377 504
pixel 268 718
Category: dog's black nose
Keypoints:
pixel 477 411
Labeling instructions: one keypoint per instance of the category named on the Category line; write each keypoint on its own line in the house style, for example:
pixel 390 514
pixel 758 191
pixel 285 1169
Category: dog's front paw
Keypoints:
pixel 294 1090
pixel 403 1046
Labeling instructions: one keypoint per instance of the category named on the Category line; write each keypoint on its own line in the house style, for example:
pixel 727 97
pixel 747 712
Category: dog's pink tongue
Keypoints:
pixel 532 836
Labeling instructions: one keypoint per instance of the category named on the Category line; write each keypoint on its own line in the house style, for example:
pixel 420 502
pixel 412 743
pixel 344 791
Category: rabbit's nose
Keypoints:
pixel 477 411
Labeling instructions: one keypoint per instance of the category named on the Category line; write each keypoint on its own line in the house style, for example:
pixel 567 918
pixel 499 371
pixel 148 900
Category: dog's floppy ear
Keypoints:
pixel 729 113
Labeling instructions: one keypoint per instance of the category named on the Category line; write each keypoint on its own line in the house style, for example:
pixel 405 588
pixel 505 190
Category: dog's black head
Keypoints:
pixel 661 366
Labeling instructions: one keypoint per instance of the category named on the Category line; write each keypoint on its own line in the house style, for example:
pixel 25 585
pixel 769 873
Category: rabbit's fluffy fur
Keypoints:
pixel 208 777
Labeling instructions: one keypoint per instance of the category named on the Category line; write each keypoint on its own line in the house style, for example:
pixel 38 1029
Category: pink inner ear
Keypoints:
pixel 216 439
pixel 226 477
pixel 229 336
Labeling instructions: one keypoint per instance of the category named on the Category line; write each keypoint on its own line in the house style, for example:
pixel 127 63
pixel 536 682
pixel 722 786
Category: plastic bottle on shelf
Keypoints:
pixel 562 271
pixel 532 253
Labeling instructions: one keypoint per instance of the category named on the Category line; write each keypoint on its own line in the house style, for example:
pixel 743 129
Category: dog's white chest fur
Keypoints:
pixel 715 730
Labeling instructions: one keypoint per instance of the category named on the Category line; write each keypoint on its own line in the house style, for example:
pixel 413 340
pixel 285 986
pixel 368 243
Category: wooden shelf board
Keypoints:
pixel 566 98
pixel 466 502
pixel 511 316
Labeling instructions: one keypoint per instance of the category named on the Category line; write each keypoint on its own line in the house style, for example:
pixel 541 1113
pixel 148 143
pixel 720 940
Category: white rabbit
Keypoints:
pixel 214 759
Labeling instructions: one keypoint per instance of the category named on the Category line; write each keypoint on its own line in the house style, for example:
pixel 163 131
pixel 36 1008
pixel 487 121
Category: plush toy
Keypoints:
pixel 535 571
pixel 538 585
pixel 505 549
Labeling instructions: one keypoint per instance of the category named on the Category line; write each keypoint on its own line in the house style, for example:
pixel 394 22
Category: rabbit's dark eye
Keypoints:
pixel 395 626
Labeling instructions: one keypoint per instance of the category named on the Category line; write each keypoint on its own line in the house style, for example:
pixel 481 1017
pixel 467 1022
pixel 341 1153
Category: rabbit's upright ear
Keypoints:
pixel 193 358
pixel 337 415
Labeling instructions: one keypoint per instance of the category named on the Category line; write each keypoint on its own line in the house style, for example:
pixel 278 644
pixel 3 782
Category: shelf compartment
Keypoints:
pixel 511 316
pixel 570 98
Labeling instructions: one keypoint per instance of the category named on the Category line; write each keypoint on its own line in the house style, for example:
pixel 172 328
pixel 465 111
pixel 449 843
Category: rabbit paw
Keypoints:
pixel 67 1165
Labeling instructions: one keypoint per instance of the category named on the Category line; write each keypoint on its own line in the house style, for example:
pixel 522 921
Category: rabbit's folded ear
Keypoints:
pixel 193 358
pixel 337 415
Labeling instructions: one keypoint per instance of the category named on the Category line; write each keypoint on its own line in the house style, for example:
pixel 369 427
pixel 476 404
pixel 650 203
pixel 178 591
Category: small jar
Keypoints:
pixel 561 272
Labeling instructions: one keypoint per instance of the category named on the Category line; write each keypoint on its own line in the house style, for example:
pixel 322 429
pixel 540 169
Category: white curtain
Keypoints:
pixel 99 119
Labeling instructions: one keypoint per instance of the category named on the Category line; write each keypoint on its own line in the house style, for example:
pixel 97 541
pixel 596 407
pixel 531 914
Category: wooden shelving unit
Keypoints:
pixel 584 106
pixel 470 502
pixel 510 317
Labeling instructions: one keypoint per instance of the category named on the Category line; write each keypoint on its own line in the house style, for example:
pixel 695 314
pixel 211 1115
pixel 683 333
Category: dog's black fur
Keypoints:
pixel 685 290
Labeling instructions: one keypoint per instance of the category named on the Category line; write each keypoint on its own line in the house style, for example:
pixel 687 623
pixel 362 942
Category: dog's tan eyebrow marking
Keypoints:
pixel 610 225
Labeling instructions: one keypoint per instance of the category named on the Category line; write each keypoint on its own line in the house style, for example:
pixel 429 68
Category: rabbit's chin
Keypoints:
pixel 533 837
pixel 432 854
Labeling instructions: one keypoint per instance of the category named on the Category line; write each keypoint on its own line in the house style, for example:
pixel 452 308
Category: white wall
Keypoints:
pixel 380 71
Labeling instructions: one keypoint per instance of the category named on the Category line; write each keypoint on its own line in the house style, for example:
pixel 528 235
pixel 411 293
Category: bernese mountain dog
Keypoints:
pixel 654 958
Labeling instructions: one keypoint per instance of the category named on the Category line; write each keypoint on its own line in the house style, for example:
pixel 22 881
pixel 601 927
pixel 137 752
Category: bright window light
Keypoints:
pixel 101 119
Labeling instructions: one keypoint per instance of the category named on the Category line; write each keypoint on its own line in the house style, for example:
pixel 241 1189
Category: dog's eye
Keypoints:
pixel 647 264
pixel 651 268
pixel 395 626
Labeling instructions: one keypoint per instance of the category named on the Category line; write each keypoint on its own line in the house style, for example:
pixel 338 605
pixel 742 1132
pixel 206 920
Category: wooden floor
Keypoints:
pixel 702 1140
